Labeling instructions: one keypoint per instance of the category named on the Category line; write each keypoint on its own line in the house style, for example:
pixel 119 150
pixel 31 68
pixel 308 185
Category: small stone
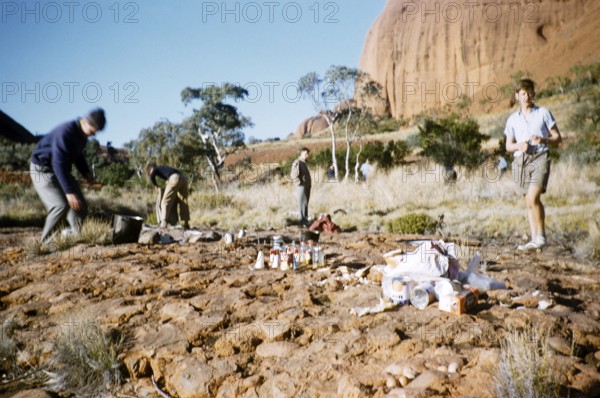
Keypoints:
pixel 409 373
pixel 453 367
pixel 403 381
pixel 149 238
pixel 396 393
pixel 391 382
pixel 545 304
pixel 559 345
pixel 394 369
pixel 278 349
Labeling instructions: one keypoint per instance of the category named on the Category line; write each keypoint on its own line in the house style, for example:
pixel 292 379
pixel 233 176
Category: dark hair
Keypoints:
pixel 304 149
pixel 97 118
pixel 149 167
pixel 527 85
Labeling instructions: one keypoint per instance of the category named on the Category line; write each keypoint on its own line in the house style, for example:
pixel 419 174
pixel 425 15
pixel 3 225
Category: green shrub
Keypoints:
pixel 412 223
pixel 388 124
pixel 115 174
pixel 385 155
pixel 452 141
pixel 15 156
pixel 586 114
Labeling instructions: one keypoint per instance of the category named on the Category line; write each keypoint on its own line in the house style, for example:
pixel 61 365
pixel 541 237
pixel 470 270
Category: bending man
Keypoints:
pixel 175 195
pixel 50 169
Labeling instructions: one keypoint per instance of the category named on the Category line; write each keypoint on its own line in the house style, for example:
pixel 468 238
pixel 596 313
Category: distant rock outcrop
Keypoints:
pixel 12 130
pixel 311 126
pixel 430 53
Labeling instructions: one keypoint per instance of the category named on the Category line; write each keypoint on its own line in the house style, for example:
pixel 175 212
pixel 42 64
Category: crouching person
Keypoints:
pixel 175 194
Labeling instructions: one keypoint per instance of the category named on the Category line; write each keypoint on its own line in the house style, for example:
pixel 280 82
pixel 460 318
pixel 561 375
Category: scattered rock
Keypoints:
pixel 178 312
pixel 396 393
pixel 453 367
pixel 382 337
pixel 149 237
pixel 202 236
pixel 587 381
pixel 560 345
pixel 348 387
pixel 281 385
pixel 31 394
pixel 191 378
pixel 277 349
pixel 429 379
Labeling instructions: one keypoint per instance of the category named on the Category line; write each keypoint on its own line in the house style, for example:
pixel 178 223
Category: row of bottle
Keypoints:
pixel 294 256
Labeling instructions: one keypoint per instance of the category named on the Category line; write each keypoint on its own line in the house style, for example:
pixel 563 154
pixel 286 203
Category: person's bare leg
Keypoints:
pixel 535 212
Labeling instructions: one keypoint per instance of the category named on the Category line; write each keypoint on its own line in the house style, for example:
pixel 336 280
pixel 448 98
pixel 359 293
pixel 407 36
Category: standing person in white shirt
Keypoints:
pixel 529 132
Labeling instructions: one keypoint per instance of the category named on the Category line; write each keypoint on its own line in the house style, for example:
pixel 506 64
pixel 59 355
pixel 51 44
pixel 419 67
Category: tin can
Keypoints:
pixel 422 295
pixel 445 287
pixel 459 302
pixel 400 290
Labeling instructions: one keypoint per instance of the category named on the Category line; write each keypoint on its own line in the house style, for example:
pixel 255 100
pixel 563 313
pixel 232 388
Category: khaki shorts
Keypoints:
pixel 533 170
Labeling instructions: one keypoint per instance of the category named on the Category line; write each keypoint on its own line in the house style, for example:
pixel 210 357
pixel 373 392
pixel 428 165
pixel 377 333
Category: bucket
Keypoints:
pixel 307 235
pixel 126 229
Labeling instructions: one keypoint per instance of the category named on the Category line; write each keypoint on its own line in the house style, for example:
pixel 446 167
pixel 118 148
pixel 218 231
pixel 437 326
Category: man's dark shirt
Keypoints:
pixel 163 172
pixel 59 150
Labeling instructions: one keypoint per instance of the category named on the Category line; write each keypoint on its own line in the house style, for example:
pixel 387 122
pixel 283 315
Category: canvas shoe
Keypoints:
pixel 536 244
pixel 69 233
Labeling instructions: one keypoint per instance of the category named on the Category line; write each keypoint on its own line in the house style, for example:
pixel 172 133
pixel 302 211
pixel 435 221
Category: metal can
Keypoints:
pixel 400 290
pixel 445 287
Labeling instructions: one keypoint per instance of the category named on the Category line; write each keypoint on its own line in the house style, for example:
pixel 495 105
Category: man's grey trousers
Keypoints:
pixel 50 192
pixel 303 196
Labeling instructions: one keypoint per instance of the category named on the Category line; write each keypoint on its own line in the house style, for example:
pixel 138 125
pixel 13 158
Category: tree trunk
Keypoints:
pixel 348 145
pixel 357 163
pixel 333 158
pixel 214 173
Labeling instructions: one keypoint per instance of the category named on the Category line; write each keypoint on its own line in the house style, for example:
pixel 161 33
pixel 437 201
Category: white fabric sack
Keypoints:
pixel 427 259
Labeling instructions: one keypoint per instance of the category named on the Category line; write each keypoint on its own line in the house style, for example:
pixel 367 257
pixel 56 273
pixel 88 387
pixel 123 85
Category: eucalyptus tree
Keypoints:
pixel 341 98
pixel 218 123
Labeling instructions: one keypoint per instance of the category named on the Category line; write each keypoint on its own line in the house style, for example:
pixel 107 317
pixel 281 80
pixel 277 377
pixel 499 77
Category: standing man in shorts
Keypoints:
pixel 529 132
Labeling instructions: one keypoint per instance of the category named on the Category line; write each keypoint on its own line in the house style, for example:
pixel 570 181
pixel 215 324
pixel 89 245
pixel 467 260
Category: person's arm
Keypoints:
pixel 295 173
pixel 61 165
pixel 153 177
pixel 62 161
pixel 513 146
pixel 84 169
pixel 511 143
pixel 554 137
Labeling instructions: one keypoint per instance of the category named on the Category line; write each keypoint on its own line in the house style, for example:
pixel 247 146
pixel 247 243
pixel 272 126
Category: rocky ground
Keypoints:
pixel 204 323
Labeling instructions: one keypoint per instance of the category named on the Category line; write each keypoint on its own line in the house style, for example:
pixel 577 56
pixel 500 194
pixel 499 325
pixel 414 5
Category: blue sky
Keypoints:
pixel 61 59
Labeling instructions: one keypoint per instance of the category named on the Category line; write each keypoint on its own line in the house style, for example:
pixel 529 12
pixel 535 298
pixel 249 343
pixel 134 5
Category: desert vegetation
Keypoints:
pixel 409 193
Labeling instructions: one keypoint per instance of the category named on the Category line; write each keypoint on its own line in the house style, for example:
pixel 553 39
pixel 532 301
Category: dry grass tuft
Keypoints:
pixel 590 247
pixel 96 232
pixel 8 351
pixel 86 360
pixel 527 368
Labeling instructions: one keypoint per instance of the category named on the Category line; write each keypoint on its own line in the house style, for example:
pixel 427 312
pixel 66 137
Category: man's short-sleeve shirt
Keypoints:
pixel 522 127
